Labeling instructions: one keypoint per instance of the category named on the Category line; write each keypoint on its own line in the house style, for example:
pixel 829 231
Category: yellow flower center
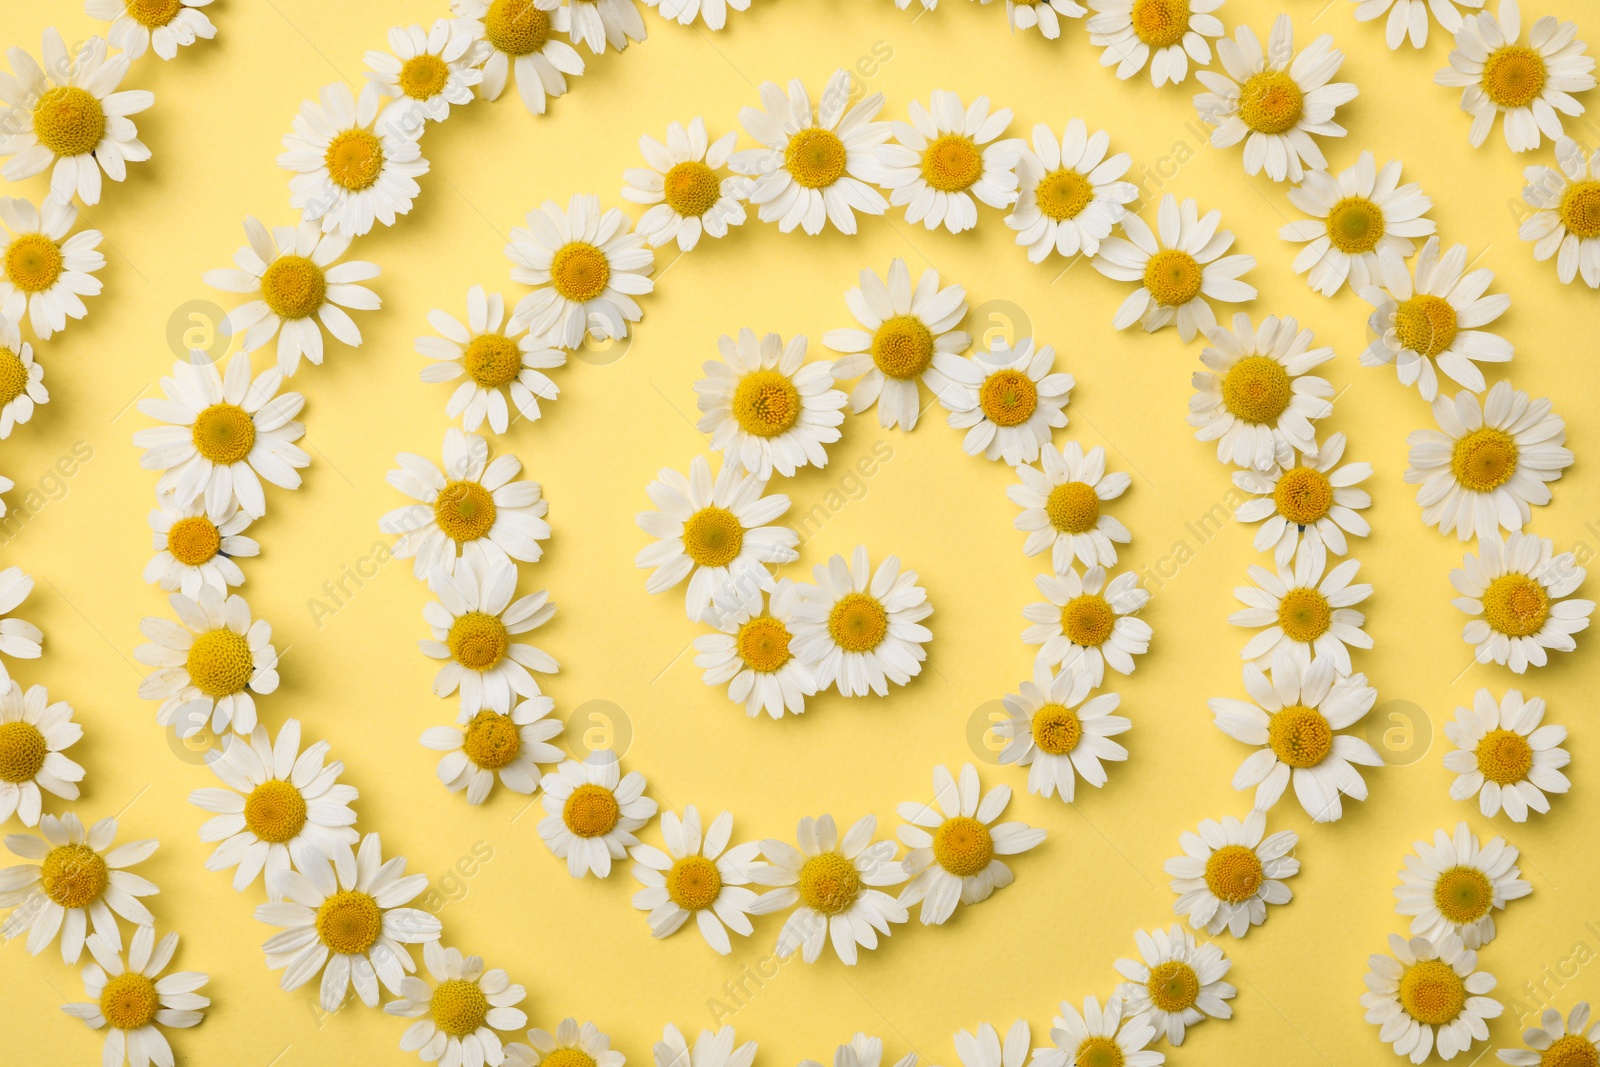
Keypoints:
pixel 491 740
pixel 349 922
pixel 1504 756
pixel 858 622
pixel 516 27
pixel 355 159
pixel 1063 194
pixel 1160 23
pixel 465 511
pixel 829 883
pixel 34 262
pixel 713 537
pixel 814 158
pixel 458 1007
pixel 766 403
pixel 1355 225
pixel 219 662
pixel 152 14
pixel 1484 459
pixel 1234 873
pixel 73 875
pixel 1173 277
pixel 963 846
pixel 1304 614
pixel 1432 992
pixel 952 163
pixel 1173 986
pixel 1099 1052
pixel 13 376
pixel 22 751
pixel 423 77
pixel 492 360
pixel 293 287
pixel 1463 894
pixel 1271 102
pixel 902 347
pixel 224 433
pixel 1056 729
pixel 579 271
pixel 1303 495
pixel 129 1001
pixel 694 883
pixel 1256 389
pixel 567 1057
pixel 69 121
pixel 275 811
pixel 1570 1050
pixel 1514 76
pixel 591 811
pixel 1008 397
pixel 478 640
pixel 193 541
pixel 1516 605
pixel 1300 736
pixel 1425 324
pixel 691 188
pixel 1580 210
pixel 1087 620
pixel 1073 507
pixel 763 644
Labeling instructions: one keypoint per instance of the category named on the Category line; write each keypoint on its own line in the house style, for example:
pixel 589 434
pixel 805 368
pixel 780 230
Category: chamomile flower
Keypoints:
pixel 521 34
pixel 752 656
pixel 19 639
pixel 597 23
pixel 765 408
pixel 1256 398
pixel 817 164
pixel 21 379
pixel 566 1045
pixel 209 665
pixel 510 745
pixel 196 546
pixel 710 1049
pixel 1007 399
pixel 128 1002
pixel 44 275
pixel 1274 100
pixel 861 1050
pixel 905 336
pixel 1488 463
pixel 1061 507
pixel 947 156
pixel 1099 1035
pixel 698 876
pixel 1455 885
pixel 1555 1042
pixel 1505 756
pixel 1517 594
pixel 1566 218
pixel 954 844
pixel 223 435
pixel 294 281
pixel 458 1014
pixel 1293 721
pixel 1530 84
pixel 279 805
pixel 714 13
pixel 1425 996
pixel 473 623
pixel 427 71
pixel 680 182
pixel 1311 502
pixel 1354 217
pixel 140 25
pixel 1175 983
pixel 348 920
pixel 1410 17
pixel 66 116
pixel 1304 612
pixel 591 810
pixel 349 169
pixel 1051 729
pixel 1166 34
pixel 1069 192
pixel 984 1049
pixel 493 361
pixel 860 630
pixel 835 886
pixel 1429 325
pixel 586 267
pixel 77 880
pixel 1230 871
pixel 34 737
pixel 1178 267
pixel 716 534
pixel 1045 14
pixel 1085 623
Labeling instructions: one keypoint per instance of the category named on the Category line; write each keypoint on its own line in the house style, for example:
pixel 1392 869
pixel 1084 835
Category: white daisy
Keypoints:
pixel 223 435
pixel 861 1050
pixel 681 182
pixel 906 335
pixel 765 408
pixel 292 277
pixel 1175 983
pixel 1085 623
pixel 586 265
pixel 1293 722
pixel 1487 464
pixel 1061 507
pixel 1164 33
pixel 1177 272
pixel 1410 17
pixel 128 1002
pixel 67 114
pixel 139 25
pixel 591 810
pixel 835 885
pixel 816 165
pixel 1304 612
pixel 983 1048
pixel 1428 995
pixel 1354 217
pixel 511 745
pixel 208 663
pixel 1312 502
pixel 752 653
pixel 350 170
pixel 458 1014
pixel 697 876
pixel 1099 1035
pixel 1565 222
pixel 473 623
pixel 710 1049
pixel 1256 398
pixel 19 639
pixel 1230 871
pixel 1454 886
pixel 78 879
pixel 1505 756
pixel 493 360
pixel 427 71
pixel 45 276
pixel 1059 736
pixel 568 1045
pixel 947 155
pixel 21 379
pixel 598 23
pixel 522 36
pixel 1007 399
pixel 1531 84
pixel 196 546
pixel 1069 192
pixel 1045 14
pixel 715 15
pixel 348 920
pixel 34 737
pixel 1555 1042
pixel 858 629
pixel 1516 591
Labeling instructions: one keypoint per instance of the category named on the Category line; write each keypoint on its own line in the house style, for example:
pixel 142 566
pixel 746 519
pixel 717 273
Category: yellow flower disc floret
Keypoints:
pixel 1099 1052
pixel 1463 894
pixel 129 1001
pixel 1426 324
pixel 1271 102
pixel 763 644
pixel 567 1057
pixel 22 751
pixel 713 537
pixel 492 360
pixel 1516 605
pixel 815 157
pixel 13 376
pixel 73 875
pixel 458 1007
pixel 1256 389
pixel 1304 614
pixel 591 811
pixel 1088 620
pixel 1514 76
pixel 349 922
pixel 1570 1050
pixel 193 541
pixel 858 622
pixel 464 510
pixel 1300 736
pixel 153 14
pixel 478 641
pixel 694 883
pixel 424 76
pixel 1160 23
pixel 293 287
pixel 1355 225
pixel 1580 209
pixel 224 433
pixel 1056 729
pixel 219 662
pixel 952 163
pixel 1234 874
pixel 579 271
pixel 963 846
pixel 1063 194
pixel 34 263
pixel 1432 992
pixel 516 27
pixel 829 883
pixel 1504 757
pixel 1173 986
pixel 766 403
pixel 354 160
pixel 1303 495
pixel 1484 459
pixel 1073 507
pixel 691 188
pixel 1173 277
pixel 1008 397
pixel 491 740
pixel 69 121
pixel 902 347
pixel 275 811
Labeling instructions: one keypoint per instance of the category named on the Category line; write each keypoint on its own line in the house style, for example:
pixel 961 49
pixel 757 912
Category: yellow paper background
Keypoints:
pixel 355 677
